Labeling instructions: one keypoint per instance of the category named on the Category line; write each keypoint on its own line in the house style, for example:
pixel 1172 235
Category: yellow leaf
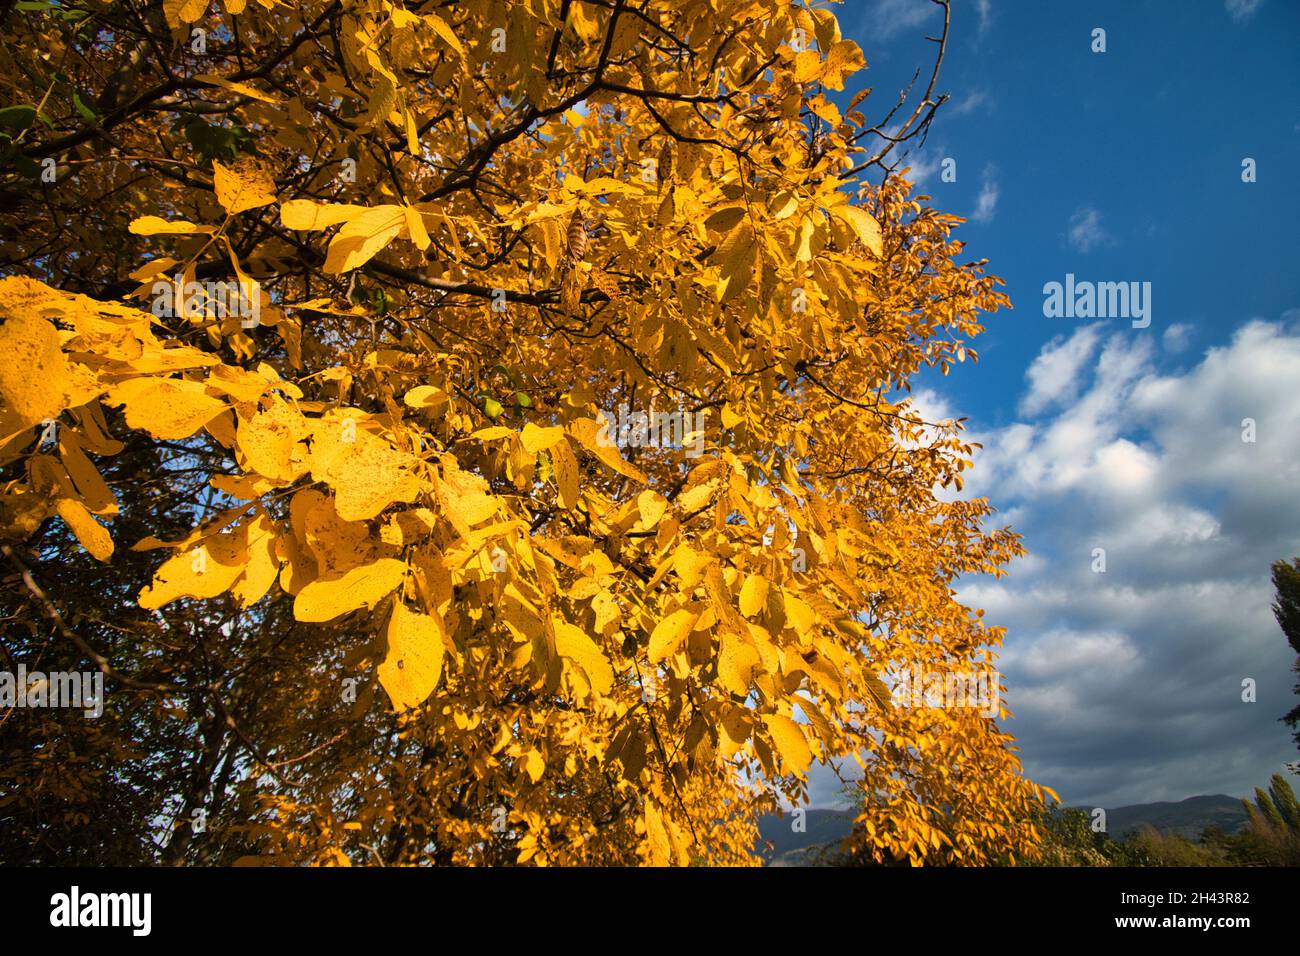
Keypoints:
pixel 415 228
pixel 879 691
pixel 361 238
pixel 753 595
pixel 413 664
pixel 799 614
pixel 696 498
pixel 537 439
pixel 152 226
pixel 668 635
pixel 807 66
pixel 95 494
pixel 184 11
pixel 404 19
pixel 239 384
pixel 464 497
pixel 440 27
pixel 89 532
pixel 690 565
pixel 383 99
pixel 660 850
pixel 202 572
pixel 263 564
pixel 597 441
pixel 651 506
pixel 494 433
pixel 807 228
pixel 737 661
pixel 243 186
pixel 740 257
pixel 790 743
pixel 736 729
pixel 566 474
pixel 412 135
pixel 364 586
pixel 426 396
pixel 581 650
pixel 844 58
pixel 166 407
pixel 725 219
pixel 305 214
pixel 534 765
pixel 715 586
pixel 608 614
pixel 270 439
pixel 864 224
pixel 366 472
pixel 34 372
pixel 243 89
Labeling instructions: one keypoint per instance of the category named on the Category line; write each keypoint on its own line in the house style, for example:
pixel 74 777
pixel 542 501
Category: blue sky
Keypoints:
pixel 1126 166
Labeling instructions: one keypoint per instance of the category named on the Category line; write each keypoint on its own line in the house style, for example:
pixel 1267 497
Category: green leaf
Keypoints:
pixel 27 167
pixel 215 142
pixel 82 108
pixel 15 119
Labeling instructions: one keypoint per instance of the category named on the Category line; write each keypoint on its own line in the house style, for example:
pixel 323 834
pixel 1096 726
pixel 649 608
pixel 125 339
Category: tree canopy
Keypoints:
pixel 333 338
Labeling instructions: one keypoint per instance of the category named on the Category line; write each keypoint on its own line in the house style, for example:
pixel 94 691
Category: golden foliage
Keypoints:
pixel 603 653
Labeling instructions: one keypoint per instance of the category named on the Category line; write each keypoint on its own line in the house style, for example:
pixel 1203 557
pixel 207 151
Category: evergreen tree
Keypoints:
pixel 1286 582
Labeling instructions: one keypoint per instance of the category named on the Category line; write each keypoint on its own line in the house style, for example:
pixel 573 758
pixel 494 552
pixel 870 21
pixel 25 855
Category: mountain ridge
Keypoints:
pixel 822 829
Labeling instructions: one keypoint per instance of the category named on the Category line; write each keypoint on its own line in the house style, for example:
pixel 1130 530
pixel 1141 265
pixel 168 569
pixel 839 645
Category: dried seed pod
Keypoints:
pixel 577 238
pixel 665 166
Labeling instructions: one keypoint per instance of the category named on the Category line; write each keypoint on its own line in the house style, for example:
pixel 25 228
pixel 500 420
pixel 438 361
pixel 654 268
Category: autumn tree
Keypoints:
pixel 486 429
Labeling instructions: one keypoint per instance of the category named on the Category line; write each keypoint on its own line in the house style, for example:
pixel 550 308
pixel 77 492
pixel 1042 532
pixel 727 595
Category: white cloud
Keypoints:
pixel 923 164
pixel 1241 10
pixel 1073 451
pixel 1053 375
pixel 1126 684
pixel 986 204
pixel 1062 653
pixel 985 10
pixel 1177 337
pixel 1085 231
pixel 970 103
pixel 888 18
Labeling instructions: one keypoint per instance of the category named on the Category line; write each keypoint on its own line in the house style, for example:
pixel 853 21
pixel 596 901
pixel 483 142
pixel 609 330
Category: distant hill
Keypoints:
pixel 824 829
pixel 821 827
pixel 1186 817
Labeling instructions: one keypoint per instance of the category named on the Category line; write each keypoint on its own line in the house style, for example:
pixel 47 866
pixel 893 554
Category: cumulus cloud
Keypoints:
pixel 1053 375
pixel 1126 682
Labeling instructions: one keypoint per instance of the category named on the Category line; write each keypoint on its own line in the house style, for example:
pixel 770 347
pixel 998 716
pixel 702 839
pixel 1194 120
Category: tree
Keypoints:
pixel 1286 585
pixel 1273 833
pixel 515 400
